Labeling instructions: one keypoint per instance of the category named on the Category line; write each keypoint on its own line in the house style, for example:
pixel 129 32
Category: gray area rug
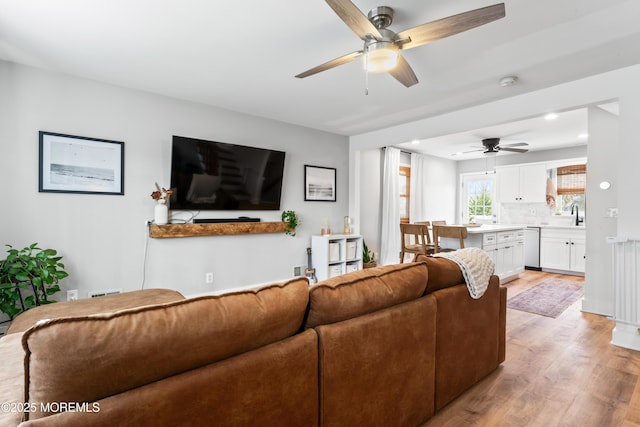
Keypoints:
pixel 549 298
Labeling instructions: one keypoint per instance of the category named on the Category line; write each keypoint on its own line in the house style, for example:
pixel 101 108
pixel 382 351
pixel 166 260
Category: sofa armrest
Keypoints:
pixel 469 338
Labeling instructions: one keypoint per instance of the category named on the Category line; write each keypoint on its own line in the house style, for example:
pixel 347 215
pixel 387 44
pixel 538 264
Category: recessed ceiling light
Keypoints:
pixel 415 142
pixel 551 116
pixel 583 136
pixel 508 81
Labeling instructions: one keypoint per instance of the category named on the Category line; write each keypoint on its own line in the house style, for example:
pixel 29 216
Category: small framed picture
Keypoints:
pixel 319 183
pixel 76 164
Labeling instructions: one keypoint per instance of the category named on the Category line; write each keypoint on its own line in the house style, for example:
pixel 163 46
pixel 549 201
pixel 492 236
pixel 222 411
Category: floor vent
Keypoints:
pixel 95 294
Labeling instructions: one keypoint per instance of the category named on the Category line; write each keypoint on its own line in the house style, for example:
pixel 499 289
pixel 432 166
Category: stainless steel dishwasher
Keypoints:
pixel 532 248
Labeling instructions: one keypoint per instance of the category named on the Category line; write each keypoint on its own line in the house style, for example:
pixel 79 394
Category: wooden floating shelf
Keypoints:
pixel 215 229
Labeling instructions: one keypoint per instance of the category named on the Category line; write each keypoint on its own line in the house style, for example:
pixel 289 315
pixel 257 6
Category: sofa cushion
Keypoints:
pixel 365 291
pixel 443 273
pixel 83 359
pixel 86 306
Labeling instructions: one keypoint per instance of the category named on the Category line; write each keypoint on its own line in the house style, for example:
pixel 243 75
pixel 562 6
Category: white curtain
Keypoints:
pixel 417 199
pixel 390 237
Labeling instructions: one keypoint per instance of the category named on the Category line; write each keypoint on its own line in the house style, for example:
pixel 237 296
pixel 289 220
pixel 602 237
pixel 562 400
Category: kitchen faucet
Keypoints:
pixel 578 220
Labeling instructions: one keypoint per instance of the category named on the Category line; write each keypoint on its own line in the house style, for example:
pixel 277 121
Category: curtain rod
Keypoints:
pixel 402 151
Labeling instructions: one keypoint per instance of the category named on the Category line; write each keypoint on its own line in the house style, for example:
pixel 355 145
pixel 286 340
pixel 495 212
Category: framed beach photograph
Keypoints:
pixel 319 183
pixel 77 164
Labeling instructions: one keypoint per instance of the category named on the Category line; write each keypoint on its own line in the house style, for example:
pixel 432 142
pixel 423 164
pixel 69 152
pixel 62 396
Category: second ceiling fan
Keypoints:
pixel 491 146
pixel 382 46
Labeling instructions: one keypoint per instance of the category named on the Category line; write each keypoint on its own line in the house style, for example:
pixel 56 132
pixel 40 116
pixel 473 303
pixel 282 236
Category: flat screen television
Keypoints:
pixel 211 175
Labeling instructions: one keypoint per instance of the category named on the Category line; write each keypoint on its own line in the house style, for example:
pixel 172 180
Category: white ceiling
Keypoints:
pixel 243 56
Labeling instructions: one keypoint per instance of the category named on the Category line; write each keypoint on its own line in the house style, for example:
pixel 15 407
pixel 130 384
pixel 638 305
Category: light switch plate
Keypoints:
pixel 611 213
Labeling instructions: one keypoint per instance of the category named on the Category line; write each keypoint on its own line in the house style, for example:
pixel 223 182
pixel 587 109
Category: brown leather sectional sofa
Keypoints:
pixel 387 346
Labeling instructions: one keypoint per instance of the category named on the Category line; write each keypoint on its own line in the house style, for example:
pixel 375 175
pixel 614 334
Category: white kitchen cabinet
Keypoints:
pixel 522 184
pixel 562 249
pixel 336 254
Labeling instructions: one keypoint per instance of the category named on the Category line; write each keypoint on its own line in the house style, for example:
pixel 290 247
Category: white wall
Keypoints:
pixel 440 188
pixel 102 237
pixel 602 164
pixel 371 198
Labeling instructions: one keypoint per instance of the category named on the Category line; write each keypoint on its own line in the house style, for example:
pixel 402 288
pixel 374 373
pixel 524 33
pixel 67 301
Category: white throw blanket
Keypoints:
pixel 476 265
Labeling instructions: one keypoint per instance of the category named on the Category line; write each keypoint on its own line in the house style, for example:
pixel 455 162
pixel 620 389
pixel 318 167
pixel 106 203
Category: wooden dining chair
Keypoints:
pixel 448 231
pixel 443 222
pixel 415 240
pixel 429 232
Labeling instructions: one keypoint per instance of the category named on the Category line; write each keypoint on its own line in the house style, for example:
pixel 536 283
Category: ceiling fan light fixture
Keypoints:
pixel 380 56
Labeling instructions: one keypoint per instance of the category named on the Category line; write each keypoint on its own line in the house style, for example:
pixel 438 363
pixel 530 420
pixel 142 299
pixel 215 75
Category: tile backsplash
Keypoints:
pixel 530 213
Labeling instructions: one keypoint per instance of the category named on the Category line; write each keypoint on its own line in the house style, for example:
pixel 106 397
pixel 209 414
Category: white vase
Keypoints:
pixel 161 213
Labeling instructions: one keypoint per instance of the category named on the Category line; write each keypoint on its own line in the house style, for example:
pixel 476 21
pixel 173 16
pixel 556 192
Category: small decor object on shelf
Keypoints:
pixel 326 227
pixel 292 221
pixel 28 277
pixel 161 211
pixel 347 225
pixel 367 257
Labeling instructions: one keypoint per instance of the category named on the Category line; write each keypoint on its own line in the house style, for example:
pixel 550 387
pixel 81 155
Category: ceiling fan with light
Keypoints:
pixel 381 50
pixel 491 146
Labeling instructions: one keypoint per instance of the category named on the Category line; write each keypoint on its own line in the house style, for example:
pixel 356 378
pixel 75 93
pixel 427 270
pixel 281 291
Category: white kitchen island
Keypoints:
pixel 503 243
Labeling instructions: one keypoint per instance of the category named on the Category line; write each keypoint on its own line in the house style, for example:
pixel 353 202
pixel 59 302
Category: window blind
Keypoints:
pixel 572 179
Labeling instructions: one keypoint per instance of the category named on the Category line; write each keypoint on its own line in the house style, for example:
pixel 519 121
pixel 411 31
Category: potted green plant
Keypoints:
pixel 28 277
pixel 292 220
pixel 368 260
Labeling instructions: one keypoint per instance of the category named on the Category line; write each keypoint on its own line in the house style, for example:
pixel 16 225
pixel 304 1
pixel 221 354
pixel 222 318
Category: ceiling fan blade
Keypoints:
pixel 449 26
pixel 331 64
pixel 515 144
pixel 403 72
pixel 515 150
pixel 354 18
pixel 470 151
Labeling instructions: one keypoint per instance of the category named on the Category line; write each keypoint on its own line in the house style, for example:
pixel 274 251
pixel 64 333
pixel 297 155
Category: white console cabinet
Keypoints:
pixel 562 249
pixel 506 249
pixel 505 246
pixel 336 254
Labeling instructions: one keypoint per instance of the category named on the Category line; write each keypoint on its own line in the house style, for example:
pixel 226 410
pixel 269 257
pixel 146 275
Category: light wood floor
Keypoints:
pixel 557 372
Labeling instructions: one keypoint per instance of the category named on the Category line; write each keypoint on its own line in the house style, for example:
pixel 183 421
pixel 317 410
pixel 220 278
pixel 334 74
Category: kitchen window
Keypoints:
pixel 405 178
pixel 571 182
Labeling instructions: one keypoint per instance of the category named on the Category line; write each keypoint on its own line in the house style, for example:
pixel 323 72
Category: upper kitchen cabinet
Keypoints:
pixel 522 184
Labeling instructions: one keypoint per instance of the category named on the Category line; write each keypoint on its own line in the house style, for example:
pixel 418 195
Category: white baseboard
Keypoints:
pixel 627 336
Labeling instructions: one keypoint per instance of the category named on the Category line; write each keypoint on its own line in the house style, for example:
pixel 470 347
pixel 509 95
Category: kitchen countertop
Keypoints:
pixel 568 227
pixel 491 228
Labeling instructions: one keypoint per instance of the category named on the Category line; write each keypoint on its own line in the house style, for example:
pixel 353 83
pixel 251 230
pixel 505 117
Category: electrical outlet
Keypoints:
pixel 208 278
pixel 72 295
